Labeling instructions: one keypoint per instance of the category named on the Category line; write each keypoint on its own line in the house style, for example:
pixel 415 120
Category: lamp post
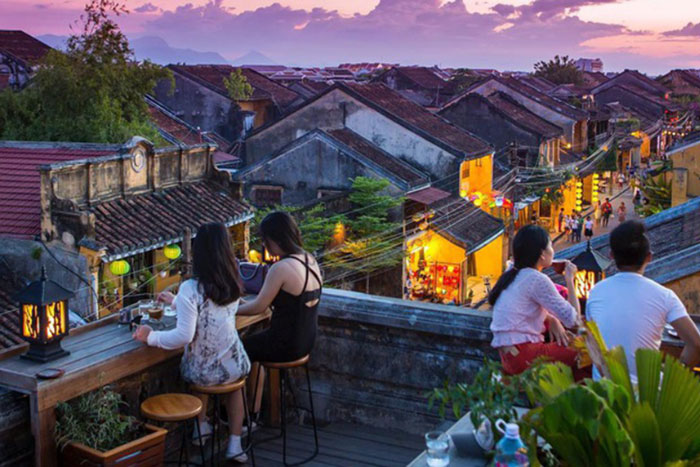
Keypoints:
pixel 43 318
pixel 591 269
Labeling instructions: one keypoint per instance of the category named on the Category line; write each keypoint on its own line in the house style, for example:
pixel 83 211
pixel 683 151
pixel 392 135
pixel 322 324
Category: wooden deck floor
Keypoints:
pixel 339 445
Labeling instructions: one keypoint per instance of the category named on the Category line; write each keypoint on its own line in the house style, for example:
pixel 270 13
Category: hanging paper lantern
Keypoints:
pixel 477 202
pixel 119 267
pixel 172 251
pixel 499 201
pixel 463 193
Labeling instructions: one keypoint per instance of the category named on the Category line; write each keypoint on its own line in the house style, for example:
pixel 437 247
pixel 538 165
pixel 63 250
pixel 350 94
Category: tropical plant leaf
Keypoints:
pixel 648 375
pixel 617 365
pixel 644 431
pixel 678 411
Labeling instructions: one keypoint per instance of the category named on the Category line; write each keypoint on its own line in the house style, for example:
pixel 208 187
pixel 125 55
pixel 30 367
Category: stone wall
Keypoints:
pixel 376 358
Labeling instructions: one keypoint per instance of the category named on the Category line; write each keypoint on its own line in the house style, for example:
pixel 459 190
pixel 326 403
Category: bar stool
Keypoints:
pixel 175 408
pixel 216 391
pixel 284 382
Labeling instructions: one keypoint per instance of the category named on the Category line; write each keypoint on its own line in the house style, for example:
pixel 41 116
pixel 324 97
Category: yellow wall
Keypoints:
pixel 569 202
pixel 480 177
pixel 489 259
pixel 260 109
pixel 645 149
pixel 689 159
pixel 440 249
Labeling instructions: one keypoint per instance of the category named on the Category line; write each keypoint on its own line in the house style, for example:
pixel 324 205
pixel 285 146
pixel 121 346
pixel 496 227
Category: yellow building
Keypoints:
pixel 476 180
pixel 685 157
pixel 454 249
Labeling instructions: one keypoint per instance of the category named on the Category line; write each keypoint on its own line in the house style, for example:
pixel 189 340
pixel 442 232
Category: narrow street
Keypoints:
pixel 563 242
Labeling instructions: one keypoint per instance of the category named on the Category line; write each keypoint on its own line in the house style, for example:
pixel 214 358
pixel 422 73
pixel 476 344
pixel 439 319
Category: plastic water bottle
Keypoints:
pixel 510 450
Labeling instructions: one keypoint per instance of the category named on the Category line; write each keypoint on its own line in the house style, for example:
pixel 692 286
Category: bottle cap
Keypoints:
pixel 512 430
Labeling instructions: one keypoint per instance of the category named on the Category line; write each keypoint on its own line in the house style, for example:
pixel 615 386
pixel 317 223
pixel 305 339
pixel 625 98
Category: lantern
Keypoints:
pixel 591 269
pixel 172 251
pixel 119 267
pixel 43 318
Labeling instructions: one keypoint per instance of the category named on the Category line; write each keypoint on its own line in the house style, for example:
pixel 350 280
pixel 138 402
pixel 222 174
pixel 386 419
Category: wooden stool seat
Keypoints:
pixel 171 407
pixel 220 388
pixel 283 365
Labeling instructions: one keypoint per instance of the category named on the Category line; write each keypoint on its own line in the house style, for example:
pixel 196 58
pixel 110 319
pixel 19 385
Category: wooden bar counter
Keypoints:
pixel 100 353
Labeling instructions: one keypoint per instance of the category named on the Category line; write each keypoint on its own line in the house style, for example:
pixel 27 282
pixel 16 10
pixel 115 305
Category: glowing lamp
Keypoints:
pixel 172 251
pixel 477 202
pixel 119 267
pixel 255 256
pixel 43 318
pixel 463 193
pixel 579 185
pixel 591 269
pixel 499 201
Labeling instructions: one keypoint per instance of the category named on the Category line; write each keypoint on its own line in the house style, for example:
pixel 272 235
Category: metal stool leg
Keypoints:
pixel 215 442
pixel 182 444
pixel 311 406
pixel 201 443
pixel 249 423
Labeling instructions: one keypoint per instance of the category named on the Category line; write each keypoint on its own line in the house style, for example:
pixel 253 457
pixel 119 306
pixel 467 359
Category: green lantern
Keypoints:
pixel 119 267
pixel 172 251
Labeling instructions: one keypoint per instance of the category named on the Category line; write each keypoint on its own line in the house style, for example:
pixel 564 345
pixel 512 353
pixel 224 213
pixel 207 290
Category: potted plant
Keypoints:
pixel 490 396
pixel 90 430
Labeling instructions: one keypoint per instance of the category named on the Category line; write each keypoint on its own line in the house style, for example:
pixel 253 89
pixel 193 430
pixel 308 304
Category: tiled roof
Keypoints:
pixel 20 181
pixel 548 101
pixel 146 221
pixel 671 232
pixel 634 79
pixel 507 105
pixel 428 195
pixel 22 47
pixel 641 93
pixel 417 118
pixel 390 163
pixel 422 76
pixel 541 84
pixel 592 79
pixel 170 126
pixel 213 76
pixel 465 224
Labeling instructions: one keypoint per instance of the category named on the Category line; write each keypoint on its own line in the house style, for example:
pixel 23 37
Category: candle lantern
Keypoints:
pixel 591 269
pixel 43 318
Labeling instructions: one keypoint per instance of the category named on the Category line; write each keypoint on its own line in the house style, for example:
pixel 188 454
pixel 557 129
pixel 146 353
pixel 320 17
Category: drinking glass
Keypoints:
pixel 437 446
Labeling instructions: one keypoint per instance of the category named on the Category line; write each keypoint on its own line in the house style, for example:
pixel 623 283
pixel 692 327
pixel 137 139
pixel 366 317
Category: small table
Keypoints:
pixel 100 353
pixel 463 425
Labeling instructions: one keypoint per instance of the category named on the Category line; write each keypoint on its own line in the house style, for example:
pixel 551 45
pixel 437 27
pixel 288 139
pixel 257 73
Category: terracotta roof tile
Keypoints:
pixel 22 46
pixel 20 181
pixel 9 317
pixel 427 195
pixel 460 141
pixel 423 76
pixel 551 102
pixel 146 220
pixel 171 127
pixel 213 76
pixel 522 116
pixel 465 224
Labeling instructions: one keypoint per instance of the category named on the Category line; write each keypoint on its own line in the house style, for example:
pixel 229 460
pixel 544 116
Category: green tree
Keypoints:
pixel 462 78
pixel 92 92
pixel 370 245
pixel 560 70
pixel 237 85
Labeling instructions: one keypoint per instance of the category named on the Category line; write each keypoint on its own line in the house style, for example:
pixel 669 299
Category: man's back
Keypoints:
pixel 631 311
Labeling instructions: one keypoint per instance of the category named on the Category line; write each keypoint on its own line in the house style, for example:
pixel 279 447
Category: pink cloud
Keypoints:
pixel 689 29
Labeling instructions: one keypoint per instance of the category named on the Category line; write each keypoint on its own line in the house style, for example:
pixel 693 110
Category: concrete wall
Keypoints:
pixel 337 110
pixel 312 165
pixel 201 107
pixel 689 159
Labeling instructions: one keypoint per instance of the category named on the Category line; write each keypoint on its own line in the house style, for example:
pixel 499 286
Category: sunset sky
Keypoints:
pixel 649 35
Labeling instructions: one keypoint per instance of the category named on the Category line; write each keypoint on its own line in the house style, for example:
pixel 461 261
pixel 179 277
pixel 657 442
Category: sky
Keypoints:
pixel 650 35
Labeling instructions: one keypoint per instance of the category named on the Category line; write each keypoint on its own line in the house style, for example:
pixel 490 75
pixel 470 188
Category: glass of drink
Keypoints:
pixel 155 312
pixel 438 448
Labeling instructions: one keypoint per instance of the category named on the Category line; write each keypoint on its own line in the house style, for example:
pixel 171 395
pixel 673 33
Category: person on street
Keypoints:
pixel 561 220
pixel 579 226
pixel 607 211
pixel 622 212
pixel 588 228
pixel 632 310
pixel 598 213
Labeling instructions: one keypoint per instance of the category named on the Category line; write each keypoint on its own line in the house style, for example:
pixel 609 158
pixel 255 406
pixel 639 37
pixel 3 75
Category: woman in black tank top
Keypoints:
pixel 292 330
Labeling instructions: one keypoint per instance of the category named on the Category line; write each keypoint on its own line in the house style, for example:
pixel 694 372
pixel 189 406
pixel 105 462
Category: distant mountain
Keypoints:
pixel 253 58
pixel 153 48
pixel 52 40
pixel 158 51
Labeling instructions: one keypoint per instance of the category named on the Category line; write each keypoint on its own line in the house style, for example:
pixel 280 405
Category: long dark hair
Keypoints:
pixel 528 245
pixel 214 264
pixel 281 228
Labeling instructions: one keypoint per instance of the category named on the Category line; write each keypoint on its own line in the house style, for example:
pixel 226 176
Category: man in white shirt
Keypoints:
pixel 632 310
